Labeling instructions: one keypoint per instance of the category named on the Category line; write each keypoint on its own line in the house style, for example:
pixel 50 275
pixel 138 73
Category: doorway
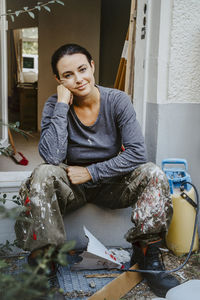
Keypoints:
pixel 23 78
pixel 102 34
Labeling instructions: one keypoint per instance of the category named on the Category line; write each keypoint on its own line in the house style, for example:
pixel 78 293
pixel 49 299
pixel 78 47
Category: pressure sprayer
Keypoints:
pixel 178 238
pixel 180 179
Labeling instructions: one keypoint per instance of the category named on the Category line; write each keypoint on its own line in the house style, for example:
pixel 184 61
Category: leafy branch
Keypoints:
pixel 30 10
pixel 15 199
pixel 8 151
pixel 31 283
pixel 15 127
pixel 6 248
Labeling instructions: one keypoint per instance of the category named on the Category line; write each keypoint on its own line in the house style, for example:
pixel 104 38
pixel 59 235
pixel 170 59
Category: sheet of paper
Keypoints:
pixel 97 256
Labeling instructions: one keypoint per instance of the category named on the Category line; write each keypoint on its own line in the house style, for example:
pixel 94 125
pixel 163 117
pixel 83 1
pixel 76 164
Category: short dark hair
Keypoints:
pixel 67 49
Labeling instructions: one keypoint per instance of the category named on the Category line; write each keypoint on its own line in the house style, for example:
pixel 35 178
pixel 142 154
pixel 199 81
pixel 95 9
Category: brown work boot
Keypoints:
pixel 161 282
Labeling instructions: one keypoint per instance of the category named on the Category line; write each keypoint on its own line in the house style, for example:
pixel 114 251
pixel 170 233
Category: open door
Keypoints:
pixel 23 77
pixel 3 75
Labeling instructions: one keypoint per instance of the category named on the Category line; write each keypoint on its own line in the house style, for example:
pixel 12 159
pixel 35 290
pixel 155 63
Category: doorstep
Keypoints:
pixel 9 184
pixel 11 181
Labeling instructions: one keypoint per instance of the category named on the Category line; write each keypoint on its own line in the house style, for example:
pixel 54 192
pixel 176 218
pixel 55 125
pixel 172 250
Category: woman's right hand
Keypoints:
pixel 64 95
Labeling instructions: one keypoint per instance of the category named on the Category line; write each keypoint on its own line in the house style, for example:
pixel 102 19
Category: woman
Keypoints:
pixel 83 129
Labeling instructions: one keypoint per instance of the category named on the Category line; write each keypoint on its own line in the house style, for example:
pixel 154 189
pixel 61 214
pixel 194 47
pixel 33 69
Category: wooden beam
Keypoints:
pixel 129 79
pixel 121 73
pixel 118 287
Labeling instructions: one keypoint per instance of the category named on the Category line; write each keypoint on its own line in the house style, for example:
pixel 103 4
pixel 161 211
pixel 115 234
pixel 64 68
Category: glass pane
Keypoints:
pixel 30 33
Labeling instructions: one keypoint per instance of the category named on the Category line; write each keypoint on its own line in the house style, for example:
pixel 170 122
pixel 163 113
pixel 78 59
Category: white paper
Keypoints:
pixel 97 256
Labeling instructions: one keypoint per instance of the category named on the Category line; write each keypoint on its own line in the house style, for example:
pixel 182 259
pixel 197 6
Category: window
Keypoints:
pixel 26 49
pixel 30 54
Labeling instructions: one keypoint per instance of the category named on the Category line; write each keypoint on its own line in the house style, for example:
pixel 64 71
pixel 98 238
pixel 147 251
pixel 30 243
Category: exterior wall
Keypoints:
pixel 152 56
pixel 174 129
pixel 184 64
pixel 172 85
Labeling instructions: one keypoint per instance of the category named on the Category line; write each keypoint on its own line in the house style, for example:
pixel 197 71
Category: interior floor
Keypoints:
pixel 28 147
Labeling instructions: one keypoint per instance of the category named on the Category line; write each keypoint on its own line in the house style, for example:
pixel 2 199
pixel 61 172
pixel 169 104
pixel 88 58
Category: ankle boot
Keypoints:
pixel 159 283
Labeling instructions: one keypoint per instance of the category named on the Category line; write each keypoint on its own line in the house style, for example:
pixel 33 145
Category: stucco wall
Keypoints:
pixel 172 117
pixel 173 132
pixel 184 64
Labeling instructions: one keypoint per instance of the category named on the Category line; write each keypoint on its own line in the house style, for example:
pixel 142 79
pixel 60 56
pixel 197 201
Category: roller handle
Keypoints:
pixel 11 141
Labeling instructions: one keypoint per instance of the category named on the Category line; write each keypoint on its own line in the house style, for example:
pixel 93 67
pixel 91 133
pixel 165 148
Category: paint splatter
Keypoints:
pixel 34 236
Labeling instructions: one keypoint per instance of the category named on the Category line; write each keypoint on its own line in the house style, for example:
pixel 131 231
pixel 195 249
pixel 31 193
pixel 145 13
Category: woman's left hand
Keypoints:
pixel 78 175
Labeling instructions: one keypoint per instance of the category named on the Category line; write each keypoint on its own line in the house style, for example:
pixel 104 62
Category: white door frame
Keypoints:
pixel 152 56
pixel 3 73
pixel 141 47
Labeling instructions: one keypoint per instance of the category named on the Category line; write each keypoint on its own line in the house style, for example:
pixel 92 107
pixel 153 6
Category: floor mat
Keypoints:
pixel 76 284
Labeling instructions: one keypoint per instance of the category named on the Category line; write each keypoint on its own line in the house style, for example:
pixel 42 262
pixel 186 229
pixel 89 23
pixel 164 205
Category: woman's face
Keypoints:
pixel 76 74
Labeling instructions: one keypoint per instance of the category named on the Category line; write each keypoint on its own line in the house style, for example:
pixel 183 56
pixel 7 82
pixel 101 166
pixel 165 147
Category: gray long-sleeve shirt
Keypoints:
pixel 65 139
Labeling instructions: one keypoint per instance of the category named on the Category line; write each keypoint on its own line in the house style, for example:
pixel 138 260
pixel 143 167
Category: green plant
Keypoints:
pixel 30 10
pixel 8 151
pixel 27 284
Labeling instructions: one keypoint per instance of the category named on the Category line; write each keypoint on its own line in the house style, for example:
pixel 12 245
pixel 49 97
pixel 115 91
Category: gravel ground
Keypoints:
pixel 190 271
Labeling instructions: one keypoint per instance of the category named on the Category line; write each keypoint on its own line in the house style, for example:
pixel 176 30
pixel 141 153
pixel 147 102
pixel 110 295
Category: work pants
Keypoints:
pixel 48 195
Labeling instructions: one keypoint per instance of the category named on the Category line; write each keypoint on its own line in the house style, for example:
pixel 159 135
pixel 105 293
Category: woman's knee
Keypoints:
pixel 45 171
pixel 152 171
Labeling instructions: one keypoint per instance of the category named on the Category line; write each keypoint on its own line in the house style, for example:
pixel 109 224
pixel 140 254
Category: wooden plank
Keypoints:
pixel 120 78
pixel 119 72
pixel 102 275
pixel 118 287
pixel 129 79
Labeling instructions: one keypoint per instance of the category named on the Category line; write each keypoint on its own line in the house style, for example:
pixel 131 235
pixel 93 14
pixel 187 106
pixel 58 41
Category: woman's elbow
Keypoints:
pixel 50 158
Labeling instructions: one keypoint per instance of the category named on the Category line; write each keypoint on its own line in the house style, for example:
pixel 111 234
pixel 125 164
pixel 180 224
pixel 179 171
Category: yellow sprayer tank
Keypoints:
pixel 179 236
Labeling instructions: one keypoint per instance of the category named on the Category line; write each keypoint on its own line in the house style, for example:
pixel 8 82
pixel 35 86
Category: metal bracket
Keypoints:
pixel 188 199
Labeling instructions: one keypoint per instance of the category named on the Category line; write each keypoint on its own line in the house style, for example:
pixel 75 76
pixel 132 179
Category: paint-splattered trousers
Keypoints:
pixel 48 195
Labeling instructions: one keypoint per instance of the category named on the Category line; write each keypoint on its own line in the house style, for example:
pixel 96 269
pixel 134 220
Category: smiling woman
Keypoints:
pixel 77 75
pixel 84 127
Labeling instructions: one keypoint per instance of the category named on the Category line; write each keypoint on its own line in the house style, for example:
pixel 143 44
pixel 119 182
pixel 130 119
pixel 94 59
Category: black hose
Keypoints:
pixel 191 246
